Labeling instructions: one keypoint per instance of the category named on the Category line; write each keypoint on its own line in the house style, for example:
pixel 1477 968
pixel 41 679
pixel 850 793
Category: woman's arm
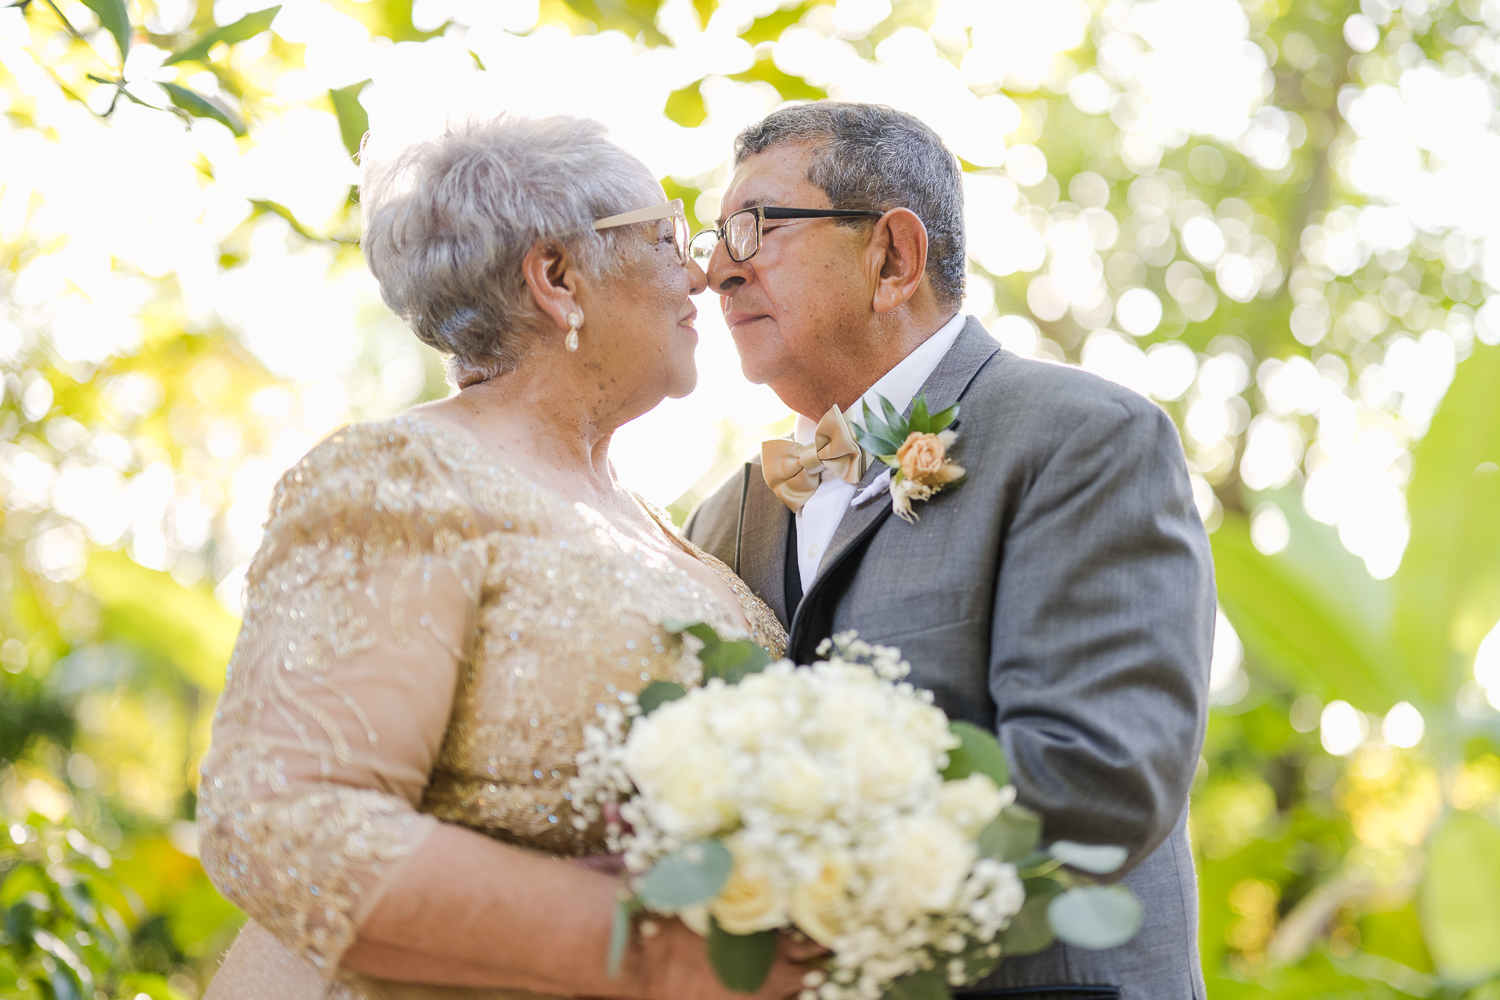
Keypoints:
pixel 468 911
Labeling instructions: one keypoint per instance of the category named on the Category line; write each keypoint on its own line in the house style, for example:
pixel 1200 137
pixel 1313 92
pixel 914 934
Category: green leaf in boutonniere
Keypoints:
pixel 916 447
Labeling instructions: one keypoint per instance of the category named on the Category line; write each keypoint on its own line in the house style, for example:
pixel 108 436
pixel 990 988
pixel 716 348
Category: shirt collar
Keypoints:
pixel 901 383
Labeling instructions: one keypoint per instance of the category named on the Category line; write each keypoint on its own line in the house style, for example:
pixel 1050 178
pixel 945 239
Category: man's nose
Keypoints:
pixel 724 273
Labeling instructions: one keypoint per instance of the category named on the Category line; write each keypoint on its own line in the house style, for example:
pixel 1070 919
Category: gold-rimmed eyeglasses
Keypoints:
pixel 741 232
pixel 666 210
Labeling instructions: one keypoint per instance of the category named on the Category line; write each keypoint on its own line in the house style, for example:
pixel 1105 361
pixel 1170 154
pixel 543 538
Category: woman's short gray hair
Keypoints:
pixel 448 221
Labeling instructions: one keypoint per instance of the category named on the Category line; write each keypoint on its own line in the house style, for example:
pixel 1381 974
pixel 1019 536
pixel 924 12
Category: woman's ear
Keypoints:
pixel 551 274
pixel 900 245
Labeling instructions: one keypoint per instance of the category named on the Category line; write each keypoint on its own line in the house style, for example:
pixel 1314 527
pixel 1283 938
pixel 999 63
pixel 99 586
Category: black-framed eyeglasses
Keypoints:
pixel 741 232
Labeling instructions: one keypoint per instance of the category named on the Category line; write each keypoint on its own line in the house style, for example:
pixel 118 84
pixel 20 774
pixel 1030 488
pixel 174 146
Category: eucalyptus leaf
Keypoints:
pixel 1100 859
pixel 733 661
pixel 741 961
pixel 919 986
pixel 626 907
pixel 699 629
pixel 1095 916
pixel 694 874
pixel 199 106
pixel 978 752
pixel 657 694
pixel 1029 931
pixel 246 27
pixel 114 19
pixel 1012 835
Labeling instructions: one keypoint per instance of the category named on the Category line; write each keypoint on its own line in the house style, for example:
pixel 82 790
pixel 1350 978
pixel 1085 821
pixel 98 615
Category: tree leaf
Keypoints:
pixel 741 961
pixel 1029 931
pixel 246 27
pixel 114 19
pixel 919 986
pixel 626 907
pixel 920 421
pixel 978 752
pixel 770 27
pixel 1292 624
pixel 354 120
pixel 686 107
pixel 1012 835
pixel 1460 897
pixel 199 106
pixel 657 694
pixel 1448 585
pixel 694 874
pixel 1095 916
pixel 1100 859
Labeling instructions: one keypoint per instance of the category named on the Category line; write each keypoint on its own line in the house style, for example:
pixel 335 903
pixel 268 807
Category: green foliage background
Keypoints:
pixel 1374 873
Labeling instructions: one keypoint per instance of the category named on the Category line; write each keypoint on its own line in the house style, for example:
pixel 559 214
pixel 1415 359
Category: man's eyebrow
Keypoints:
pixel 754 201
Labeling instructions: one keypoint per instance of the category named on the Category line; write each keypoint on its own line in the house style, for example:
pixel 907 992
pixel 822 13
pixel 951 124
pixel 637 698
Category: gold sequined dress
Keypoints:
pixel 426 634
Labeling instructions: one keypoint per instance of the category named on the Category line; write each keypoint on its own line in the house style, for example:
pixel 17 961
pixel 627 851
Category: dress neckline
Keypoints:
pixel 463 439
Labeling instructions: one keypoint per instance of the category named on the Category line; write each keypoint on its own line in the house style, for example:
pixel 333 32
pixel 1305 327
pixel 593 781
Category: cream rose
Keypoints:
pixel 819 907
pixel 924 459
pixel 970 803
pixel 927 861
pixel 751 900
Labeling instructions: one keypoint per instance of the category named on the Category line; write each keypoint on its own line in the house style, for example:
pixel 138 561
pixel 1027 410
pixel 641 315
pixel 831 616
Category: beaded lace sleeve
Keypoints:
pixel 360 604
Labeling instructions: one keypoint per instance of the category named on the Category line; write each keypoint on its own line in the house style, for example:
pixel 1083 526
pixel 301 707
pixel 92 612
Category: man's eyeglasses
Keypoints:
pixel 741 232
pixel 667 210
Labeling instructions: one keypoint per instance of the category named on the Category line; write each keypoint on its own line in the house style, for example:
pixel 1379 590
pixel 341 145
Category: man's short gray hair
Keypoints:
pixel 448 221
pixel 872 156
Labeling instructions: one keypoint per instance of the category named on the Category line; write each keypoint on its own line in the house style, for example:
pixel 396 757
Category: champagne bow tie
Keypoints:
pixel 793 471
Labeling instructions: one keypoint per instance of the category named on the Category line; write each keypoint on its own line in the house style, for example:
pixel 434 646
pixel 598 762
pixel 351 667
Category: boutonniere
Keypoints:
pixel 916 448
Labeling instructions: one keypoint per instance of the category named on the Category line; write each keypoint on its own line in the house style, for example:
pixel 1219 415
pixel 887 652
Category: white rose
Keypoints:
pixel 820 907
pixel 684 777
pixel 745 721
pixel 792 783
pixel 886 765
pixel 927 861
pixel 752 900
pixel 970 803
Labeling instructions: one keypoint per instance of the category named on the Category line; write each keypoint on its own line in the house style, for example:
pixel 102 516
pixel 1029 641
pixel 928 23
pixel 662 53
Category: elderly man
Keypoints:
pixel 1062 594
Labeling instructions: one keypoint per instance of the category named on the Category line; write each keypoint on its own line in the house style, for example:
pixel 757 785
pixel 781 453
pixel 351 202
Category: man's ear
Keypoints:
pixel 900 245
pixel 551 274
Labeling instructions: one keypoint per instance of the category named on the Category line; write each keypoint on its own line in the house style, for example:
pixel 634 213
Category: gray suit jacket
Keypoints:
pixel 1062 596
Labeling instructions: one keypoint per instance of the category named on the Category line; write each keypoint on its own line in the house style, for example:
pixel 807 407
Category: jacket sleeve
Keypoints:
pixel 1103 628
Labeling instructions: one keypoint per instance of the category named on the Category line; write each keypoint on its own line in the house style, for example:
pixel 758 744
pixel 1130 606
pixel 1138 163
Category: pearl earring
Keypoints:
pixel 574 322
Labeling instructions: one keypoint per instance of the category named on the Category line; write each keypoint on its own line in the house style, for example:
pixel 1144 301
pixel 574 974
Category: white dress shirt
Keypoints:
pixel 819 518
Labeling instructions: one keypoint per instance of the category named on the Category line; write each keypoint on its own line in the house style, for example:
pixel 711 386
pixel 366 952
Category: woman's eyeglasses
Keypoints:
pixel 742 231
pixel 667 210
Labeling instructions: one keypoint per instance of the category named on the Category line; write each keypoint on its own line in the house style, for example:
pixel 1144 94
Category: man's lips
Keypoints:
pixel 736 319
pixel 687 320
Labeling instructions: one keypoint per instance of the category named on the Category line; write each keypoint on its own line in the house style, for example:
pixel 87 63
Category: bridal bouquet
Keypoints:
pixel 837 801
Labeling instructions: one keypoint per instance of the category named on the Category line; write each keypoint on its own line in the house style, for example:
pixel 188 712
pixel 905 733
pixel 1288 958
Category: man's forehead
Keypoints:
pixel 777 176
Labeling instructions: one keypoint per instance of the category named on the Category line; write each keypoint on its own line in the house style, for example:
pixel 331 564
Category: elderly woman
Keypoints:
pixel 443 598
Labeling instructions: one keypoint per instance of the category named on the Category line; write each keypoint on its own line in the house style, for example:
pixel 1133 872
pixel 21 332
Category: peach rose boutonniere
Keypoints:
pixel 917 449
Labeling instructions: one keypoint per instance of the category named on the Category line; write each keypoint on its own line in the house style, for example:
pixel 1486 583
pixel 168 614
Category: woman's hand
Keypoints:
pixel 675 966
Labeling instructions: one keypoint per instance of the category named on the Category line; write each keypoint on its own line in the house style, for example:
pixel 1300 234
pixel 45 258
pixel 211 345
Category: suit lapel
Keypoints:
pixel 972 348
pixel 763 546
